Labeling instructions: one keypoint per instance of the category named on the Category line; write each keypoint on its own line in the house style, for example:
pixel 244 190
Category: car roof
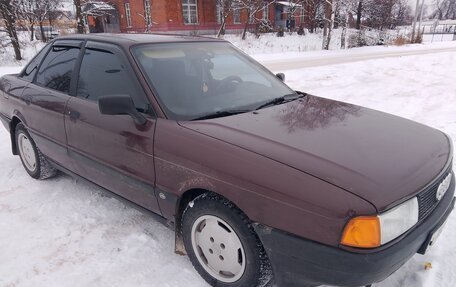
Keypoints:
pixel 137 38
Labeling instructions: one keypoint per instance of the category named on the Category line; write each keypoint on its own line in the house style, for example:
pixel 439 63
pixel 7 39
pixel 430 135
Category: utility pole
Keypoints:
pixel 414 20
pixel 421 18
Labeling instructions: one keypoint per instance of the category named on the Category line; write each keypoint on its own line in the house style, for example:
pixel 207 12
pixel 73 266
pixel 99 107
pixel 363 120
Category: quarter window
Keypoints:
pixel 128 14
pixel 102 74
pixel 190 11
pixel 29 72
pixel 57 68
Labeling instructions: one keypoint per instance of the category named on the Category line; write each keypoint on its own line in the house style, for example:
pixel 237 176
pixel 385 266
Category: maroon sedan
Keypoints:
pixel 261 183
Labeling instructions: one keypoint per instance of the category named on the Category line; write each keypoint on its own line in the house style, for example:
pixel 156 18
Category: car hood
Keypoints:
pixel 377 156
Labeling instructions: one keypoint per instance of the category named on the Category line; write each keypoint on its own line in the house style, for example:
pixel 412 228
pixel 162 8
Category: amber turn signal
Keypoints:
pixel 362 232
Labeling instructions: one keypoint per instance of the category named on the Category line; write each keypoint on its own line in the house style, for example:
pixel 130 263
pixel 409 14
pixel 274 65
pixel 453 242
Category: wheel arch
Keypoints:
pixel 181 204
pixel 13 124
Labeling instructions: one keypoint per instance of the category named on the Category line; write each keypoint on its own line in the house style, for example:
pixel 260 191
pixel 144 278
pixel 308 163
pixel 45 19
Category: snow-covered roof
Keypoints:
pixel 287 3
pixel 97 6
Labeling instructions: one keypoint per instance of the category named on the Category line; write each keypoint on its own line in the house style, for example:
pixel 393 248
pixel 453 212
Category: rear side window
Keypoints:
pixel 56 70
pixel 103 73
pixel 29 72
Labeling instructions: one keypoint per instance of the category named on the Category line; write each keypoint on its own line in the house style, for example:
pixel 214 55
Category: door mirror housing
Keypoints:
pixel 281 76
pixel 120 105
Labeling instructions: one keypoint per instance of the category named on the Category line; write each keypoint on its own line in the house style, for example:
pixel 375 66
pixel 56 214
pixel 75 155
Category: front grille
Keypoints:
pixel 427 200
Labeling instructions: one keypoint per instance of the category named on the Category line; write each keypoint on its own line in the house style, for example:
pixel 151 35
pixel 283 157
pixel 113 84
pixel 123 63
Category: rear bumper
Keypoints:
pixel 300 262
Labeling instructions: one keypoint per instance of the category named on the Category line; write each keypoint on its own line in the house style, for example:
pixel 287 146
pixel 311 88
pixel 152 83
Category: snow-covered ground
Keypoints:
pixel 63 232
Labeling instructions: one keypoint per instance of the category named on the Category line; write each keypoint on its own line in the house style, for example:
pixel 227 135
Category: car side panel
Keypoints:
pixel 112 151
pixel 267 191
pixel 45 109
pixel 11 88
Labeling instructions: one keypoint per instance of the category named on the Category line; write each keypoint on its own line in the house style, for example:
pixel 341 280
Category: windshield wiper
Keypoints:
pixel 281 100
pixel 221 114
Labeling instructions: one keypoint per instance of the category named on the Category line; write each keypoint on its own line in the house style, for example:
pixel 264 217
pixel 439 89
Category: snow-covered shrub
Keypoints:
pixel 301 30
pixel 400 41
pixel 358 39
pixel 281 32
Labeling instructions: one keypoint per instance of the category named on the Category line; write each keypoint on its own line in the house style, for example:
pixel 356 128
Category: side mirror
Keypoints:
pixel 281 76
pixel 120 105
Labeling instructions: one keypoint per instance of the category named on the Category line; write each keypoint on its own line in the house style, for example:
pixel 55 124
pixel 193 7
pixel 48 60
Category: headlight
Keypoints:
pixel 373 231
pixel 398 220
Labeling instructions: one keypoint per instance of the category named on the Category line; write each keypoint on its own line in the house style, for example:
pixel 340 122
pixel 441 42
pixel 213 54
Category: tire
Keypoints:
pixel 34 162
pixel 222 245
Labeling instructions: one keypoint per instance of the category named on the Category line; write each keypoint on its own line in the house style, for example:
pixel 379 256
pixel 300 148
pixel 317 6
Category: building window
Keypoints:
pixel 266 11
pixel 128 14
pixel 147 16
pixel 190 11
pixel 237 15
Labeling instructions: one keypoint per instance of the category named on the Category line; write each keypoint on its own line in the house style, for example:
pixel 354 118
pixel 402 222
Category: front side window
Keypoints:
pixel 193 80
pixel 190 11
pixel 57 68
pixel 128 14
pixel 103 74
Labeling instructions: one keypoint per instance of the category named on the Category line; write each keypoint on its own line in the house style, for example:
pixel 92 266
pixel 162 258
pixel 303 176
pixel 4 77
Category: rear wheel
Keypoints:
pixel 222 244
pixel 32 159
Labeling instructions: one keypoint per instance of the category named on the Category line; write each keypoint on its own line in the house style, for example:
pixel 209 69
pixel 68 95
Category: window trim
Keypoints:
pixel 128 15
pixel 188 5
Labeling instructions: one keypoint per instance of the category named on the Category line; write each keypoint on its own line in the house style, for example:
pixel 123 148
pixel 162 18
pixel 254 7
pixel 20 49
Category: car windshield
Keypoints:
pixel 195 80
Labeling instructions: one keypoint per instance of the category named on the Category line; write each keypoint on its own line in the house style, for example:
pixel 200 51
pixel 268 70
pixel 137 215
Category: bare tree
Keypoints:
pixel 42 10
pixel 314 11
pixel 8 12
pixel 329 18
pixel 359 14
pixel 444 9
pixel 346 7
pixel 252 7
pixel 402 12
pixel 27 13
pixel 79 19
pixel 225 9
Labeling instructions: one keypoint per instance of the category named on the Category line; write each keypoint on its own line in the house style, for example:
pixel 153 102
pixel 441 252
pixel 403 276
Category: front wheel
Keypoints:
pixel 32 159
pixel 222 244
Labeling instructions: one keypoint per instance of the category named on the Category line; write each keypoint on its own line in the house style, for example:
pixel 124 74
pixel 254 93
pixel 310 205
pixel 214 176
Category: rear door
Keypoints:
pixel 111 151
pixel 47 96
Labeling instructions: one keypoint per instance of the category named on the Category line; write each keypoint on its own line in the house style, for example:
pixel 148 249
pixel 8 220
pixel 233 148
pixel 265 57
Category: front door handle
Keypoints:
pixel 27 99
pixel 74 115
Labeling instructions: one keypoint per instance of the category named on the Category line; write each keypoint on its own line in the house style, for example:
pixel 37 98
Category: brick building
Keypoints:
pixel 191 16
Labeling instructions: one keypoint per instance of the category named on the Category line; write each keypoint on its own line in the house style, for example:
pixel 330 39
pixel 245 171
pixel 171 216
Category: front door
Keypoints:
pixel 111 151
pixel 47 97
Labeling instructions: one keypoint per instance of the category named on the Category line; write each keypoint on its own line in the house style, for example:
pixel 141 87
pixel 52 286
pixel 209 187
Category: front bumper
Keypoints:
pixel 300 262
